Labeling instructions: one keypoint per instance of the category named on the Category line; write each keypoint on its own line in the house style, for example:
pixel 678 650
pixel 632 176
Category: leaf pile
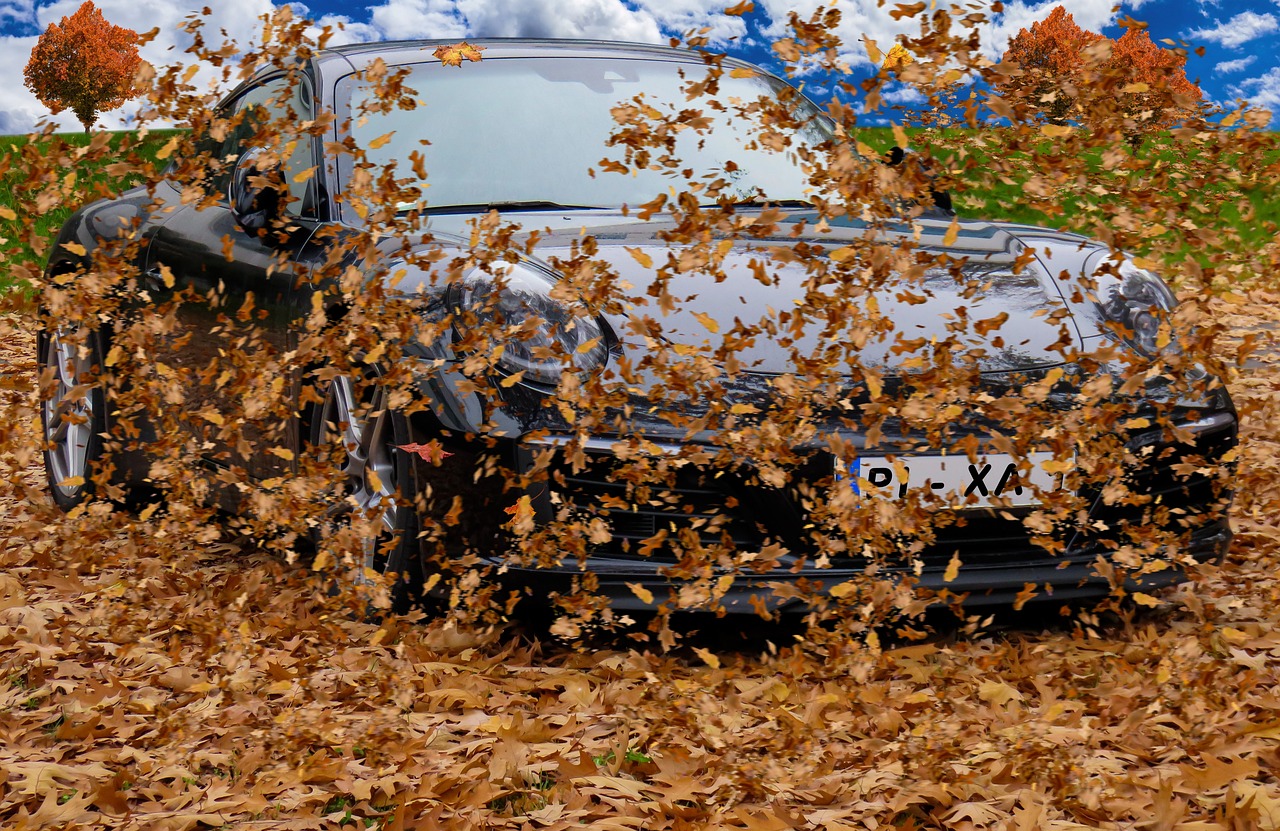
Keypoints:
pixel 140 694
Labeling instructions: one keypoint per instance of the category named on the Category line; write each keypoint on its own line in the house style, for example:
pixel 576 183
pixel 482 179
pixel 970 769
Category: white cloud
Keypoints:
pixel 1234 66
pixel 19 11
pixel 904 95
pixel 871 19
pixel 1262 91
pixel 403 19
pixel 680 16
pixel 1240 29
pixel 601 19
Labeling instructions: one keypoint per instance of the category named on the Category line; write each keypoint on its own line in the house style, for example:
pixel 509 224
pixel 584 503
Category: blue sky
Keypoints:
pixel 1241 38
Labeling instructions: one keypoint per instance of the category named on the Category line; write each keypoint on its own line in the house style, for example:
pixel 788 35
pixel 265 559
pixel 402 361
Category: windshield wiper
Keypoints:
pixel 763 203
pixel 485 207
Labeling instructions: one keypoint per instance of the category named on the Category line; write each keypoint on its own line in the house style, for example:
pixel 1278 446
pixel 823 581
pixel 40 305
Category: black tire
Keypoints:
pixel 72 411
pixel 356 430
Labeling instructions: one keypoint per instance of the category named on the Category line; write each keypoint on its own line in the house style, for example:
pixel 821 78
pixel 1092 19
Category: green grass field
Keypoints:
pixel 1177 198
pixel 20 190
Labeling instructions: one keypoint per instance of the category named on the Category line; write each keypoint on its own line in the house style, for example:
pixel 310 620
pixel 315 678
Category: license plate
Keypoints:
pixel 958 481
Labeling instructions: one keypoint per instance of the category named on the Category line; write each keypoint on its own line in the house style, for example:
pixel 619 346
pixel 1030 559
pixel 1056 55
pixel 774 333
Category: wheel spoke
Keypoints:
pixel 368 463
pixel 69 409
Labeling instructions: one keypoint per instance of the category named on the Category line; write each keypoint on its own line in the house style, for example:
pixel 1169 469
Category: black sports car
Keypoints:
pixel 489 450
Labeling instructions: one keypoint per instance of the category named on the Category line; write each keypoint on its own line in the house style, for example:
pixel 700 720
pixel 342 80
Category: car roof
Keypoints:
pixel 341 60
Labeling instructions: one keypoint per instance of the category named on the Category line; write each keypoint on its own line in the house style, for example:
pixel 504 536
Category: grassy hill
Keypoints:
pixel 1211 198
pixel 21 192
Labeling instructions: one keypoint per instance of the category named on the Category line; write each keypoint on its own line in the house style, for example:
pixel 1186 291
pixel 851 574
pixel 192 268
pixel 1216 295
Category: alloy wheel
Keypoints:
pixel 69 410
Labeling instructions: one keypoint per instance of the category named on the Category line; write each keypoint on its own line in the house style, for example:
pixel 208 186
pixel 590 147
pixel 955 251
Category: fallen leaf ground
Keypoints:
pixel 209 687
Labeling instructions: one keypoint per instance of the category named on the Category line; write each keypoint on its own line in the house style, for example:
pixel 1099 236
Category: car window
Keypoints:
pixel 276 100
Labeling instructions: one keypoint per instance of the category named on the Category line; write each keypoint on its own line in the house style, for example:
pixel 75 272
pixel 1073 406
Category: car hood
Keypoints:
pixel 757 285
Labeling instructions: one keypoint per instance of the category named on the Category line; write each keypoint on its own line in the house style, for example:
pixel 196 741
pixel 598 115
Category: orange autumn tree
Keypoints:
pixel 84 64
pixel 1049 65
pixel 1157 92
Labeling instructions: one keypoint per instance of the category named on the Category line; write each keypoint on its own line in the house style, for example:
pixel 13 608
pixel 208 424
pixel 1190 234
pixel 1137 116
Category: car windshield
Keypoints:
pixel 531 132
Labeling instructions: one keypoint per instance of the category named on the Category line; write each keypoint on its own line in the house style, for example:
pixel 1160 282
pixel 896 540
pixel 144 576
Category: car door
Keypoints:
pixel 232 326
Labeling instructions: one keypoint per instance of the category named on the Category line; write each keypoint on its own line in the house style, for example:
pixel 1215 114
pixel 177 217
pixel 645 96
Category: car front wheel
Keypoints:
pixel 72 412
pixel 362 436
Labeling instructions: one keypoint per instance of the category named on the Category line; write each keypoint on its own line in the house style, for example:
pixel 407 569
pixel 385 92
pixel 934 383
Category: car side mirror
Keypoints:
pixel 255 192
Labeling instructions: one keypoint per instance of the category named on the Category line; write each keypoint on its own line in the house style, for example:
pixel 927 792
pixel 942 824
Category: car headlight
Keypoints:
pixel 1139 305
pixel 542 335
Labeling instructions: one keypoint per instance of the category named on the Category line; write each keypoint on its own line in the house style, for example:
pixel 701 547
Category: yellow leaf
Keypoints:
pixel 874 385
pixel 953 231
pixel 453 54
pixel 305 175
pixel 641 257
pixel 707 657
pixel 587 346
pixel 214 417
pixel 72 482
pixel 75 248
pixel 900 136
pixel 190 73
pixel 166 276
pixel 167 151
pixel 953 568
pixel 1136 87
pixel 843 589
pixel 842 254
pixel 431 582
pixel 114 356
pixel 998 693
pixel 641 592
pixel 739 409
pixel 148 511
pixel 7 213
pixel 741 72
pixel 512 379
pixel 1143 599
pixel 282 452
pixel 865 150
pixel 951 76
pixel 708 321
pixel 279 687
pixel 381 141
pixel 873 51
pixel 1056 130
pixel 1137 423
pixel 1056 465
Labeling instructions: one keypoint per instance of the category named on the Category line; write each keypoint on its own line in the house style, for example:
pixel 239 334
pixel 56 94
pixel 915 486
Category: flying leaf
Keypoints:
pixel 431 451
pixel 953 231
pixel 953 568
pixel 641 592
pixel 454 54
pixel 708 322
pixel 873 51
pixel 639 255
pixel 708 658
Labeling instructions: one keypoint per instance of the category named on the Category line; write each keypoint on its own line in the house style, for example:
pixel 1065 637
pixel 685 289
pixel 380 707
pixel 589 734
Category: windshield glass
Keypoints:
pixel 534 130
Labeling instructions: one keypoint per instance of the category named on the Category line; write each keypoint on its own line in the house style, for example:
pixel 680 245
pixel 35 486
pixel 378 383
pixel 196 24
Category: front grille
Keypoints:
pixel 649 520
pixel 719 510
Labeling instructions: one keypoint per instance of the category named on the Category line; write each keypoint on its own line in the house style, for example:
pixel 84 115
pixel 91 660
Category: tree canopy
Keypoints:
pixel 1065 72
pixel 84 64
